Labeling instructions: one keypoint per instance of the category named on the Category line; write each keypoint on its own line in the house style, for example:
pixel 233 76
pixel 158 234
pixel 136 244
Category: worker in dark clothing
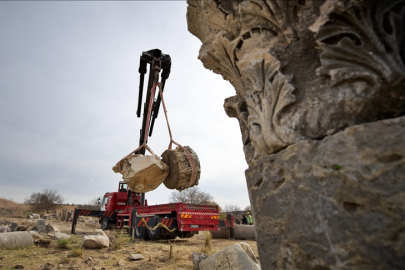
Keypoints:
pixel 244 220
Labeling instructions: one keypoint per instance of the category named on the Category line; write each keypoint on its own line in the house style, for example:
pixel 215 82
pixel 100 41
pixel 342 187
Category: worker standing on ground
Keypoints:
pixel 249 219
pixel 244 220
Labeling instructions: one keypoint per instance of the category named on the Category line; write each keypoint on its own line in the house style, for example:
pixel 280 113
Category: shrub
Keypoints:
pixel 63 243
pixel 120 240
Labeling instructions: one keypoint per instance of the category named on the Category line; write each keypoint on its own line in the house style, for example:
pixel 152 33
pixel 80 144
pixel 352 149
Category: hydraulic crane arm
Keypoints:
pixel 157 62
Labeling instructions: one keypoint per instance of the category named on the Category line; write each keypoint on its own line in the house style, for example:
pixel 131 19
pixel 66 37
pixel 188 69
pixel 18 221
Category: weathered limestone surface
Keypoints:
pixel 180 168
pixel 142 173
pixel 336 202
pixel 231 258
pixel 314 81
pixel 10 240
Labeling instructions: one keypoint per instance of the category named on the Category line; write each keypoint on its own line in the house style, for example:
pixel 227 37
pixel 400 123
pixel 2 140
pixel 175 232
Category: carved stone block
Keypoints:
pixel 338 203
pixel 325 195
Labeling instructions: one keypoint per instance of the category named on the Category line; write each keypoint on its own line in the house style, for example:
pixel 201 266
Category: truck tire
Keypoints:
pixel 172 235
pixel 104 224
pixel 140 232
pixel 155 234
pixel 184 234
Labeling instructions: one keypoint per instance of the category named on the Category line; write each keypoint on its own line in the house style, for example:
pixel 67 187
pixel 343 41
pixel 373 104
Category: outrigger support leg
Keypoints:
pixel 74 221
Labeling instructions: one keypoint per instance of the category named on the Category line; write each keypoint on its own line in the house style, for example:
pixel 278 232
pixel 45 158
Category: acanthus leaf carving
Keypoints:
pixel 265 107
pixel 362 43
pixel 220 58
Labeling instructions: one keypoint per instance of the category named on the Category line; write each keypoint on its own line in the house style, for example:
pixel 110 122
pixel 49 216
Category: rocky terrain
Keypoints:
pixel 50 253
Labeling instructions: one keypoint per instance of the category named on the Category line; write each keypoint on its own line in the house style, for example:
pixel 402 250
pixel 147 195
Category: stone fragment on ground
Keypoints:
pixel 4 229
pixel 41 222
pixel 197 257
pixel 11 240
pixel 13 226
pixel 21 228
pixel 49 266
pixel 245 246
pixel 60 235
pixel 231 258
pixel 142 173
pixel 136 257
pixel 40 229
pixel 35 234
pixel 98 239
pixel 19 266
pixel 51 228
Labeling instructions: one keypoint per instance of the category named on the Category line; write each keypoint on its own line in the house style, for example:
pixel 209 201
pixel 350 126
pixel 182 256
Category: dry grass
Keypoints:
pixel 207 248
pixel 76 252
pixel 120 240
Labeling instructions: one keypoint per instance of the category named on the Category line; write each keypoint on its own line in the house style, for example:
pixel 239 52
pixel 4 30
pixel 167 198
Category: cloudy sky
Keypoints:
pixel 68 94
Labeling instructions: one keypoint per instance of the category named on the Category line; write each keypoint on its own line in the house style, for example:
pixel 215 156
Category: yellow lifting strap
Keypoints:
pixel 157 225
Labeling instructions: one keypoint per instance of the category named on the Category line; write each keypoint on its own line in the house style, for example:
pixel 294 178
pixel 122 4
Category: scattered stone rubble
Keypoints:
pixel 98 240
pixel 236 257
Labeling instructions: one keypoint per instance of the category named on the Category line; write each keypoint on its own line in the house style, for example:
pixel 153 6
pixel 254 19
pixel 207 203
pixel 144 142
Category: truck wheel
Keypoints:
pixel 184 234
pixel 104 224
pixel 172 235
pixel 154 234
pixel 140 233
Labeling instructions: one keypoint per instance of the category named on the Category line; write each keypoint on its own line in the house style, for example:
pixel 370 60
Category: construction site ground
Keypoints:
pixel 156 253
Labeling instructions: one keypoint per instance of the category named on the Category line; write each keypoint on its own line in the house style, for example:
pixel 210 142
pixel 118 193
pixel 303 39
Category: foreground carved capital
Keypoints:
pixel 303 69
pixel 313 81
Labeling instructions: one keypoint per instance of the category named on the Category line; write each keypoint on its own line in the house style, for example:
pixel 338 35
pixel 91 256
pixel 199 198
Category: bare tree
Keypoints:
pixel 248 208
pixel 94 202
pixel 191 195
pixel 47 200
pixel 231 208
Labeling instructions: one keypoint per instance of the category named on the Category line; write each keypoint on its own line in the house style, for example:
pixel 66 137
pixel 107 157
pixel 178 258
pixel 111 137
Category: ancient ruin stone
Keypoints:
pixel 13 240
pixel 142 173
pixel 180 168
pixel 340 200
pixel 313 79
pixel 231 258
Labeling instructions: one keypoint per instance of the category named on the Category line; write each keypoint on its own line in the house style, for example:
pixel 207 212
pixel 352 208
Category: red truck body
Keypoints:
pixel 164 221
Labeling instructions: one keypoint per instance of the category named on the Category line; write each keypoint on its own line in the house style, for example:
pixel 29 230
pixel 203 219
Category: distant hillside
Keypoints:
pixel 9 208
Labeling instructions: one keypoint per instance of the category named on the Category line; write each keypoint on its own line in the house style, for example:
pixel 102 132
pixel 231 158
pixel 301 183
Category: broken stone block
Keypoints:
pixel 11 240
pixel 95 241
pixel 135 257
pixel 180 168
pixel 13 226
pixel 59 236
pixel 142 173
pixel 35 234
pixel 197 257
pixel 4 229
pixel 41 222
pixel 51 229
pixel 231 258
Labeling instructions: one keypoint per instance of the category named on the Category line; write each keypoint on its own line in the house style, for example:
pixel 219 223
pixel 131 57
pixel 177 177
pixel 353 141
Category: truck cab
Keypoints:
pixel 121 199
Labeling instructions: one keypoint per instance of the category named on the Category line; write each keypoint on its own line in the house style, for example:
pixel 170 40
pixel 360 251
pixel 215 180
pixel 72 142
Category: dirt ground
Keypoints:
pixel 156 253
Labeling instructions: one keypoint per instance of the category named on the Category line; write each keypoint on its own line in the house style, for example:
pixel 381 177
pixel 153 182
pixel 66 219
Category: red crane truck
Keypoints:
pixel 129 210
